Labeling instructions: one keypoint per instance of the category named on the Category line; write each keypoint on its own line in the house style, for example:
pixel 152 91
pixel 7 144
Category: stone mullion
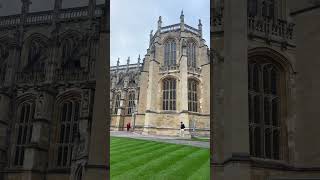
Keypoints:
pixel 5 102
pixel 183 86
pixel 291 127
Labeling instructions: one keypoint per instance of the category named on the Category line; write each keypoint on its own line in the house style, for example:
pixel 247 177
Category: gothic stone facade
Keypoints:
pixel 170 86
pixel 266 89
pixel 47 85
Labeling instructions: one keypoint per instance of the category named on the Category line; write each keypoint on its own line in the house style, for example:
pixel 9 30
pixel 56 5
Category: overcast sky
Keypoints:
pixel 132 21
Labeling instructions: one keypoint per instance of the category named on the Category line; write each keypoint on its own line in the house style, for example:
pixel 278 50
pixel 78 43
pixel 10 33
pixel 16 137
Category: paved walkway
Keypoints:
pixel 167 139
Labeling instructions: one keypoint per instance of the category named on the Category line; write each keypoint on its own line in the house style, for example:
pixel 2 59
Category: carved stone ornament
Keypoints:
pixel 40 110
pixel 85 102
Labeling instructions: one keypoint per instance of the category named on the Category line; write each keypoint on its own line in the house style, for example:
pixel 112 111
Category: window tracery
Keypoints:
pixel 264 109
pixel 170 53
pixel 169 94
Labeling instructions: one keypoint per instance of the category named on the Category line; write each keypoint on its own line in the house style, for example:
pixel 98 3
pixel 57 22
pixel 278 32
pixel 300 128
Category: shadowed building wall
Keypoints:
pixel 265 84
pixel 47 92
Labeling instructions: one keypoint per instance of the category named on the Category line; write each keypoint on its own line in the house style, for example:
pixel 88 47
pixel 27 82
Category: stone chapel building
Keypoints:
pixel 171 84
pixel 47 92
pixel 266 85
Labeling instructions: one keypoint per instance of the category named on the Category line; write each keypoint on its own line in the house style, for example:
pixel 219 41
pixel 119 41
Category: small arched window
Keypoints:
pixel 192 95
pixel 264 109
pixel 67 48
pixel 131 102
pixel 191 54
pixel 252 7
pixel 34 52
pixel 68 131
pixel 23 128
pixel 170 53
pixel 169 94
pixel 3 53
pixel 268 8
pixel 35 57
pixel 117 103
pixel 3 56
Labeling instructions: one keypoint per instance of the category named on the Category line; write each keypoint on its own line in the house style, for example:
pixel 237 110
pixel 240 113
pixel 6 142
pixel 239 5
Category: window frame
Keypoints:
pixel 25 124
pixel 193 95
pixel 69 116
pixel 265 97
pixel 192 54
pixel 131 103
pixel 170 52
pixel 169 94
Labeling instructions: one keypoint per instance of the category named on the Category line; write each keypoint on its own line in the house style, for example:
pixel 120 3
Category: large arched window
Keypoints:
pixel 264 109
pixel 117 103
pixel 169 94
pixel 68 130
pixel 23 131
pixel 191 54
pixel 170 53
pixel 192 95
pixel 131 102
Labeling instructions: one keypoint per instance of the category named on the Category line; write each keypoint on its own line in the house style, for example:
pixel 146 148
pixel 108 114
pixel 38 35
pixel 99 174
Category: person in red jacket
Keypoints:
pixel 128 126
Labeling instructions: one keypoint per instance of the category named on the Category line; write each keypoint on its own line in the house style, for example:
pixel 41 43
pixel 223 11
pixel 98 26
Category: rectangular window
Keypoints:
pixel 169 94
pixel 192 96
pixel 131 103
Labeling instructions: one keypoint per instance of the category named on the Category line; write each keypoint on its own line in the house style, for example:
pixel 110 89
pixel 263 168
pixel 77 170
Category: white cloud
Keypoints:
pixel 131 22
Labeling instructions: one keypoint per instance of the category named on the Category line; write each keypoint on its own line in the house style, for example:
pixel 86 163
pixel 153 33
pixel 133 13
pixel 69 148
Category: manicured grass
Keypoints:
pixel 133 159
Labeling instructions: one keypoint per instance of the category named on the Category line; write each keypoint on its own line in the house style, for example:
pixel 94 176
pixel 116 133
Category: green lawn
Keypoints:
pixel 148 160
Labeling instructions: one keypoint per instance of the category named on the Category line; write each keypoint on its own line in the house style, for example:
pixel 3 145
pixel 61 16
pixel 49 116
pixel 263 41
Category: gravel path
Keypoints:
pixel 166 139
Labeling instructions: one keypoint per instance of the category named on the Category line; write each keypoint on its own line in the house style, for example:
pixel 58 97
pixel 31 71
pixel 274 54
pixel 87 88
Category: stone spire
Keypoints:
pixel 200 28
pixel 118 63
pixel 182 17
pixel 182 21
pixel 151 35
pixel 139 60
pixel 25 6
pixel 57 4
pixel 128 62
pixel 159 23
pixel 92 7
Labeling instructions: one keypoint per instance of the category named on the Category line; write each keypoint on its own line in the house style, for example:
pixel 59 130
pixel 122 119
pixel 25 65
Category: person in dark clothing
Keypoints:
pixel 182 127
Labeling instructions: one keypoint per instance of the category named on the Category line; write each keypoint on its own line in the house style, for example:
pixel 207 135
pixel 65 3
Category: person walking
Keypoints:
pixel 127 126
pixel 182 129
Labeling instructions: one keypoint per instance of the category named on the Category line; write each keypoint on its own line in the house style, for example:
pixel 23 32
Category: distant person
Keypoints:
pixel 182 129
pixel 128 126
